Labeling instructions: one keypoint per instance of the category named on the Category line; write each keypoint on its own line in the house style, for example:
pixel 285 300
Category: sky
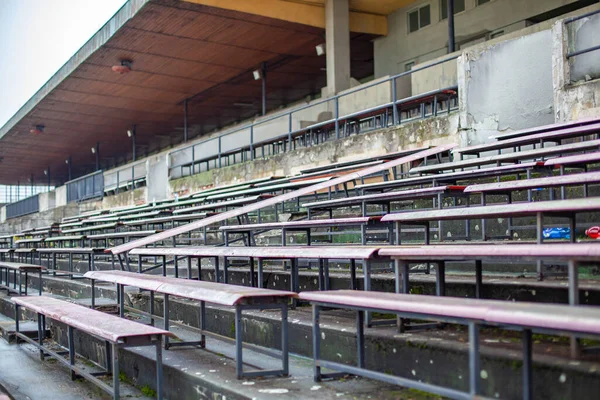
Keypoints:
pixel 37 37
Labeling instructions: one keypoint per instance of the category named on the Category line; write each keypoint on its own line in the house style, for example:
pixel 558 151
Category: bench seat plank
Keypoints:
pixel 545 128
pixel 218 205
pixel 122 234
pixel 558 134
pixel 492 211
pixel 511 157
pixel 578 159
pixel 552 181
pixel 274 252
pixel 74 250
pixel 211 292
pixel 102 325
pixel 534 252
pixel 565 318
pixel 172 218
pixel 411 194
pixel 453 176
pixel 314 223
pixel 21 266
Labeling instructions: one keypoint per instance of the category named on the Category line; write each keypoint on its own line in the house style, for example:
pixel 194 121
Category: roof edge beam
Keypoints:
pixel 301 13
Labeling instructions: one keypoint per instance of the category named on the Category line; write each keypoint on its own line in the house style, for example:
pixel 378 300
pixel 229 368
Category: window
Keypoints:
pixel 480 2
pixel 459 6
pixel 419 18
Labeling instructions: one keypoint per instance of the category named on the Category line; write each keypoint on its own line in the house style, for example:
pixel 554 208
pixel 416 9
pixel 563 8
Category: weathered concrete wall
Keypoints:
pixel 572 100
pixel 434 131
pixel 501 89
pixel 157 181
pixel 474 25
pixel 129 198
pixel 61 196
pixel 47 200
pixel 44 218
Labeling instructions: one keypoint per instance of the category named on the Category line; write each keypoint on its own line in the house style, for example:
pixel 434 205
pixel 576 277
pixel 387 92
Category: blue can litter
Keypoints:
pixel 556 233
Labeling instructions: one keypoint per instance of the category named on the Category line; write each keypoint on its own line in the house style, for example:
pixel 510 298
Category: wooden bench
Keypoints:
pixel 560 208
pixel 52 252
pixel 293 226
pixel 288 253
pixel 563 208
pixel 116 333
pixel 20 269
pixel 545 128
pixel 240 297
pixel 94 228
pixel 571 253
pixel 118 236
pixel 454 177
pixel 508 187
pixel 510 157
pixel 525 317
pixel 539 138
pixel 435 192
pixel 223 204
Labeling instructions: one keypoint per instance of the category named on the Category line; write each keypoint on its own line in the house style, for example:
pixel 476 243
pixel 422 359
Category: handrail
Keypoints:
pixel 289 114
pixel 85 176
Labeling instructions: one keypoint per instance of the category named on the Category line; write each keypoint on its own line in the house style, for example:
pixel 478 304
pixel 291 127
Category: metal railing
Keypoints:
pixel 576 53
pixel 247 139
pixel 126 177
pixel 86 187
pixel 26 206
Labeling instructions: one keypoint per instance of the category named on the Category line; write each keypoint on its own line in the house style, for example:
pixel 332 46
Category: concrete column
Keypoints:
pixel 337 35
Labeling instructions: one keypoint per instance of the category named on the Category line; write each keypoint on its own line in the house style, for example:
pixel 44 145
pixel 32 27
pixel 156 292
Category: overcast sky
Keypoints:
pixel 37 37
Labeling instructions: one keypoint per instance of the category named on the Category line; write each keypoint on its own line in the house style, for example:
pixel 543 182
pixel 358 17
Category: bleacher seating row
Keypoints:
pixel 439 207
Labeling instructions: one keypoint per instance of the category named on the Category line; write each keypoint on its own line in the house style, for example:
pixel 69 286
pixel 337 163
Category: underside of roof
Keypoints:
pixel 179 50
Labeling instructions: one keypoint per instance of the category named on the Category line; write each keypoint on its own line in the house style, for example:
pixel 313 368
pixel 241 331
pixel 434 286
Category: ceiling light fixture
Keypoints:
pixel 37 130
pixel 257 74
pixel 93 150
pixel 123 68
pixel 320 48
pixel 248 105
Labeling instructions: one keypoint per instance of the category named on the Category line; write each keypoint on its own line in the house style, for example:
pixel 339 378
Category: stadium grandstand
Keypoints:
pixel 324 199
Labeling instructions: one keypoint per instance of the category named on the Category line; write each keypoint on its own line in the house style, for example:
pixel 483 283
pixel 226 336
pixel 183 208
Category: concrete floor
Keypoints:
pixel 24 377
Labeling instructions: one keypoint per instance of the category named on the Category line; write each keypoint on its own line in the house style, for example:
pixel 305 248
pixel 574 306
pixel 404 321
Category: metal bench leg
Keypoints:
pixel 41 334
pixel 285 356
pixel 166 319
pixel 573 301
pixel 93 290
pixel 217 270
pixel 41 286
pixel 360 339
pixel 402 265
pixel 527 365
pixel 108 357
pixel 440 288
pixel 189 267
pixel 115 371
pixel 152 307
pixel 121 297
pixel 321 275
pixel 71 351
pixel 353 282
pixel 260 273
pixel 478 279
pixel 316 343
pixel 252 280
pixel 202 323
pixel 540 239
pixel 367 287
pixel 239 364
pixel 225 270
pixel 159 371
pixel 474 361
